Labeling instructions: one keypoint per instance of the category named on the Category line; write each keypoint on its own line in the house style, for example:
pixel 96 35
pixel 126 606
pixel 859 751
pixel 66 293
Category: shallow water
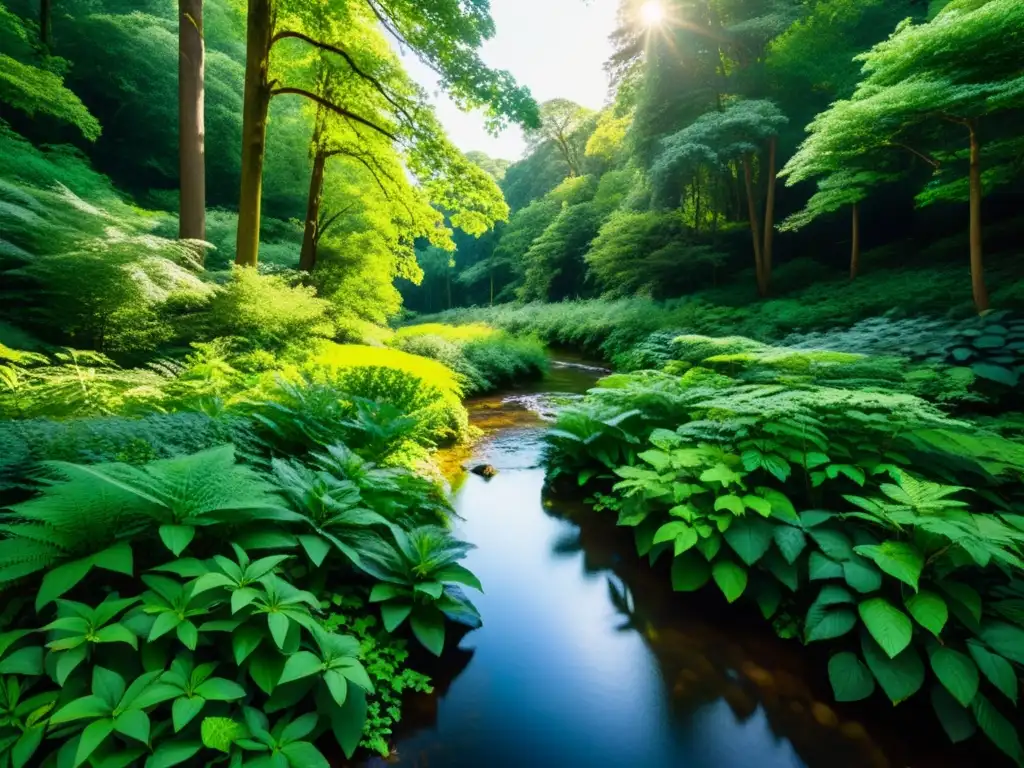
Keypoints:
pixel 586 657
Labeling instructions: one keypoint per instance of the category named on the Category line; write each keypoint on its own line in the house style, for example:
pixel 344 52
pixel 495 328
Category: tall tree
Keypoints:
pixel 563 123
pixel 191 120
pixel 444 33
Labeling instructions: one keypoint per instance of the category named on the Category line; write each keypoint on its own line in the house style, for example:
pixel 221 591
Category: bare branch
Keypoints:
pixel 351 62
pixel 334 108
pixel 323 227
pixel 930 160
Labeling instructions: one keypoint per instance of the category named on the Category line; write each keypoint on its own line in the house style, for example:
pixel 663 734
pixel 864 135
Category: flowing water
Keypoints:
pixel 586 657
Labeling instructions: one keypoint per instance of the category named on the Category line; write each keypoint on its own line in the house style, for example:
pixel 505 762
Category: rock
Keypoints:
pixel 484 470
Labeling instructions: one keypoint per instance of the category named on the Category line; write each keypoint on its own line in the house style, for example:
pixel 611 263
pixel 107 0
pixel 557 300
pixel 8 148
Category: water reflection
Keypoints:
pixel 587 659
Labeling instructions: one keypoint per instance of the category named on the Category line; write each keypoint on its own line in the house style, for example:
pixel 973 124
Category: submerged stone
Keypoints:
pixel 484 470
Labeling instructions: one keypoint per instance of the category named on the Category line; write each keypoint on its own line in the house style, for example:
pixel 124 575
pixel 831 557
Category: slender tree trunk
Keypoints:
pixel 311 235
pixel 45 16
pixel 255 107
pixel 855 243
pixel 696 204
pixel 752 215
pixel 448 285
pixel 191 120
pixel 492 286
pixel 769 221
pixel 977 265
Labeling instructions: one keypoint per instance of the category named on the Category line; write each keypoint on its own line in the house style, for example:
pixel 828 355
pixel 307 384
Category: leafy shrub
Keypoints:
pixel 874 521
pixel 993 347
pixel 207 628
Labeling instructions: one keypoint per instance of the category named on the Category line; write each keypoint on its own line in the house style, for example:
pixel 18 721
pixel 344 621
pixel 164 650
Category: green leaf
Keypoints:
pixel 347 722
pixel 108 685
pixel 300 665
pixel 690 572
pixel 767 595
pixel 278 624
pixel 957 673
pixel 117 633
pixel 265 668
pixel 242 598
pixel 133 723
pixel 826 623
pixel 188 634
pixel 93 735
pixel 787 573
pixel 164 623
pixel 930 611
pixel 209 581
pixel 177 537
pixel 316 547
pixel 68 661
pixel 900 560
pixel 219 689
pixel 956 721
pixel 117 558
pixel 1000 731
pixel 220 733
pixel 900 677
pixel 244 641
pixel 337 684
pixel 669 531
pixel 394 612
pixel 889 626
pixel 24 661
pixel 995 668
pixel 834 544
pixel 965 596
pixel 763 507
pixel 1005 639
pixel 25 747
pixel 302 754
pixel 777 465
pixel 851 680
pixel 460 575
pixel 730 502
pixel 428 627
pixel 790 541
pixel 862 575
pixel 820 567
pixel 720 473
pixel 750 538
pixel 997 373
pixel 171 753
pixel 184 710
pixel 730 578
pixel 60 580
pixel 80 709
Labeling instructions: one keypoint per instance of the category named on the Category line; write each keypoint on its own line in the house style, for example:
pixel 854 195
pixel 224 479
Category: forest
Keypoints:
pixel 258 309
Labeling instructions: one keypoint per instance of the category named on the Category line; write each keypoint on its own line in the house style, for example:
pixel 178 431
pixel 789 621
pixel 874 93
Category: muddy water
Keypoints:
pixel 586 657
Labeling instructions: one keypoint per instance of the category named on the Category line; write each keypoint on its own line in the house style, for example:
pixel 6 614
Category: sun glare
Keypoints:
pixel 652 13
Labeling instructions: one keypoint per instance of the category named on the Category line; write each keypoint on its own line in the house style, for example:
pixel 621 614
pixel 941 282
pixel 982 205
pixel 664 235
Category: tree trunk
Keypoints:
pixel 492 286
pixel 311 236
pixel 977 265
pixel 752 215
pixel 855 243
pixel 191 120
pixel 255 107
pixel 769 222
pixel 448 285
pixel 45 15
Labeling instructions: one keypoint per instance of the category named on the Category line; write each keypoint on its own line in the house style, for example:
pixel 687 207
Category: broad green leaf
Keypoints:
pixel 930 611
pixel 265 668
pixel 889 626
pixel 188 634
pixel 220 689
pixel 299 665
pixel 1000 731
pixel 731 503
pixel 995 668
pixel 92 737
pixel 185 709
pixel 900 677
pixel 767 595
pixel 851 680
pixel 337 684
pixel 428 627
pixel 824 621
pixel 220 733
pixel 316 547
pixel 965 596
pixel 669 531
pixel 133 723
pixel 116 633
pixel 108 685
pixel 750 538
pixel 690 572
pixel 60 580
pixel 177 537
pixel 394 612
pixel 836 545
pixel 956 721
pixel 956 672
pixel 763 507
pixel 861 575
pixel 347 722
pixel 791 541
pixel 820 567
pixel 730 578
pixel 242 598
pixel 24 661
pixel 299 728
pixel 165 622
pixel 117 558
pixel 244 641
pixel 81 709
pixel 278 624
pixel 210 581
pixel 171 753
pixel 1005 639
pixel 787 573
pixel 460 575
pixel 898 559
pixel 302 754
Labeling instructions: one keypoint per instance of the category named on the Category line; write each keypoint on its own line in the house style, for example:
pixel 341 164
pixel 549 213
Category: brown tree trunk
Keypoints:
pixel 311 235
pixel 977 265
pixel 255 107
pixel 191 121
pixel 769 222
pixel 752 215
pixel 45 15
pixel 855 243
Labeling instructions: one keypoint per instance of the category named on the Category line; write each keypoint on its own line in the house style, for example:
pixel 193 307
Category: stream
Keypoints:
pixel 587 658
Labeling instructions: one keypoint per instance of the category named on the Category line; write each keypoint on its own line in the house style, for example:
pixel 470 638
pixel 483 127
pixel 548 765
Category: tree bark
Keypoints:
pixel 978 288
pixel 311 235
pixel 255 107
pixel 855 243
pixel 752 215
pixel 45 15
pixel 769 221
pixel 191 120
